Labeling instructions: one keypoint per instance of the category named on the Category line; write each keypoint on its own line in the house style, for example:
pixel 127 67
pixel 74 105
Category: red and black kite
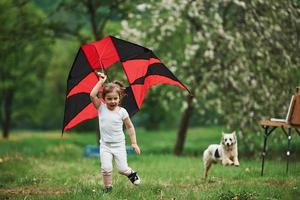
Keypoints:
pixel 141 67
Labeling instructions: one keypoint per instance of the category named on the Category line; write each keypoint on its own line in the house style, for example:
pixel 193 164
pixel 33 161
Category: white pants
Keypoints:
pixel 116 151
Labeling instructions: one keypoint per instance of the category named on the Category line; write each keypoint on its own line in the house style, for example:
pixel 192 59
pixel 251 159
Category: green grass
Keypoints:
pixel 42 165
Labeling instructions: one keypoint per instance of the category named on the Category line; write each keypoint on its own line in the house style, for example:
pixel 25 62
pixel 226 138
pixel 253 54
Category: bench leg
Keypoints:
pixel 288 153
pixel 264 151
pixel 298 131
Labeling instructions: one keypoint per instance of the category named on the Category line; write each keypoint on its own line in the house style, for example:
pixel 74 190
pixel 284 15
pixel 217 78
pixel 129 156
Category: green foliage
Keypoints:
pixel 24 49
pixel 88 20
pixel 59 65
pixel 156 112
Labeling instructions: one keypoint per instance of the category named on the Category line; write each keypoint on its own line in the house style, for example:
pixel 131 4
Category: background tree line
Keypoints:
pixel 239 58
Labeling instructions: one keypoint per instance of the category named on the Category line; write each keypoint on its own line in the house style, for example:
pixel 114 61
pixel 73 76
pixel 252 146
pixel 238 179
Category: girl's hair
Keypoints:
pixel 117 86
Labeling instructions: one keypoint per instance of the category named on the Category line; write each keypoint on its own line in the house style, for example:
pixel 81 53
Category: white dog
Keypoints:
pixel 226 152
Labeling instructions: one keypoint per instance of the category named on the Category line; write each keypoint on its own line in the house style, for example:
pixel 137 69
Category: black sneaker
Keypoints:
pixel 134 178
pixel 107 189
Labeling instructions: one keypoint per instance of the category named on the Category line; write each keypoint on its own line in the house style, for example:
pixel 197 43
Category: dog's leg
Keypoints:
pixel 226 161
pixel 236 161
pixel 235 157
pixel 207 162
pixel 207 166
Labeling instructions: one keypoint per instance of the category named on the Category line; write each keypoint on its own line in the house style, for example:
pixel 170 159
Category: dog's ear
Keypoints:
pixel 234 135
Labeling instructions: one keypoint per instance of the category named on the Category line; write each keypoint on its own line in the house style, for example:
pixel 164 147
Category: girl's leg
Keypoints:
pixel 120 156
pixel 106 165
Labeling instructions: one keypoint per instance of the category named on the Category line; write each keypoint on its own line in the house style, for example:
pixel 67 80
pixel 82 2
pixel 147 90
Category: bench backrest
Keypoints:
pixel 295 116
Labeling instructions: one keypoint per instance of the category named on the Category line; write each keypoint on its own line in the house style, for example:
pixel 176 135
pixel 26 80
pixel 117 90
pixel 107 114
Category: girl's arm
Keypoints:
pixel 131 132
pixel 94 93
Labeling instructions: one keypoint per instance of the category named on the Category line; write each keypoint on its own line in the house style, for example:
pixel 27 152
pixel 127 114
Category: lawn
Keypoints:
pixel 44 165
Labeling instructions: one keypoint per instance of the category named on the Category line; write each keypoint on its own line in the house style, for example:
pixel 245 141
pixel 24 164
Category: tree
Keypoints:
pixel 238 57
pixel 21 42
pixel 88 20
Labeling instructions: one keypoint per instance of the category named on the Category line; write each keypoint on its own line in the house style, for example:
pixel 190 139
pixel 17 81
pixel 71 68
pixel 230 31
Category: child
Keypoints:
pixel 112 142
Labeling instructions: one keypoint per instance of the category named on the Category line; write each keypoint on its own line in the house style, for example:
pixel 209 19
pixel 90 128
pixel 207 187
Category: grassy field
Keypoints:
pixel 42 165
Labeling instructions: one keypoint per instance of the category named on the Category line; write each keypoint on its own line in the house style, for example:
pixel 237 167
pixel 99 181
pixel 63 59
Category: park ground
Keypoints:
pixel 44 165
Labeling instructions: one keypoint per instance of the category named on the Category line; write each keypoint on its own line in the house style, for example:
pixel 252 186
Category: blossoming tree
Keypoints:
pixel 240 58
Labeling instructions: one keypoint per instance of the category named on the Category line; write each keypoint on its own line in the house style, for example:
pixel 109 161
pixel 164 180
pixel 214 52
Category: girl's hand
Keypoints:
pixel 102 77
pixel 136 148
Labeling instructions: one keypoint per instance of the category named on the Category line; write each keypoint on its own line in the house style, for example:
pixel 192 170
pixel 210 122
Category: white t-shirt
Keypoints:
pixel 111 123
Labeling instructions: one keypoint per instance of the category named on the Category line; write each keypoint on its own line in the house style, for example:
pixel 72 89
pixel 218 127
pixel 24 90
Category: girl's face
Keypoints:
pixel 112 100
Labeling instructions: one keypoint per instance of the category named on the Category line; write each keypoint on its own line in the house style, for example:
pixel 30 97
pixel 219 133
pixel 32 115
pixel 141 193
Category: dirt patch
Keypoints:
pixel 33 191
pixel 279 183
pixel 9 158
pixel 26 135
pixel 55 135
pixel 18 137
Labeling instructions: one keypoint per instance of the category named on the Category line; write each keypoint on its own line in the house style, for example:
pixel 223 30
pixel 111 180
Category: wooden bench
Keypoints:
pixel 293 123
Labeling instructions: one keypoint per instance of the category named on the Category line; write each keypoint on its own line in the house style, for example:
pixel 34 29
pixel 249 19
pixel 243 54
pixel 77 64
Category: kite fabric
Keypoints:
pixel 141 67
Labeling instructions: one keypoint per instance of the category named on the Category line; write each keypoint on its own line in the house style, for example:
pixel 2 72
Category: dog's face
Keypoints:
pixel 228 139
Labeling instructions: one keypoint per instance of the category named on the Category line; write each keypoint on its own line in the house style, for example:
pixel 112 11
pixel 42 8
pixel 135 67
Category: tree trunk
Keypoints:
pixel 6 113
pixel 92 11
pixel 181 135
